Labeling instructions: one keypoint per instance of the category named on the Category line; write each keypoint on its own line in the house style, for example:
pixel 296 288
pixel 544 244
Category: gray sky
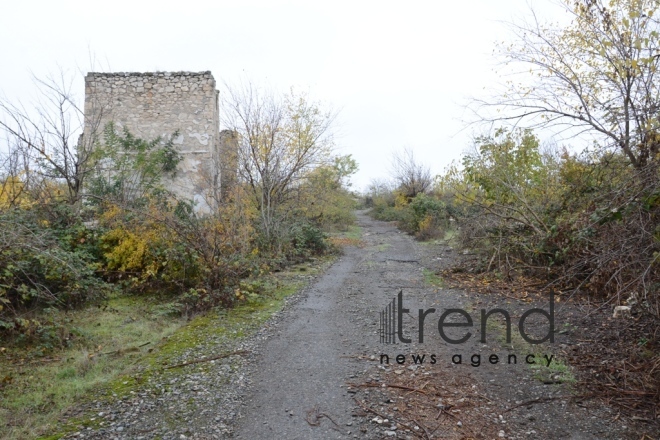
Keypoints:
pixel 400 72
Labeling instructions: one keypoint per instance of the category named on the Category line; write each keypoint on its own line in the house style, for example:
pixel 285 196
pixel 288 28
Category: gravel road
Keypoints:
pixel 315 370
pixel 300 387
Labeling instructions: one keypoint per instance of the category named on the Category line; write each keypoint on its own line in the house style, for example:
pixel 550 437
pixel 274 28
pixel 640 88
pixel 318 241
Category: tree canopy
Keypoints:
pixel 597 74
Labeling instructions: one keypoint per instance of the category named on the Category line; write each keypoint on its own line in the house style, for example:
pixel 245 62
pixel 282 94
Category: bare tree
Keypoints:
pixel 410 176
pixel 48 135
pixel 280 139
pixel 379 187
pixel 598 75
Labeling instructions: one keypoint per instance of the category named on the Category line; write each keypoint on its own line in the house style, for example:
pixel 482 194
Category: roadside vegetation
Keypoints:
pixel 100 264
pixel 582 222
pixel 587 221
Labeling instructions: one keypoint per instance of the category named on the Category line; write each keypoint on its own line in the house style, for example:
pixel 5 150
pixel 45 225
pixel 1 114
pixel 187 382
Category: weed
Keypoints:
pixel 46 382
pixel 432 278
pixel 350 237
pixel 354 232
pixel 557 372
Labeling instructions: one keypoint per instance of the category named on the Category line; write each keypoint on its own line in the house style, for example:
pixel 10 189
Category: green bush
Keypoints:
pixel 590 222
pixel 423 216
pixel 43 266
pixel 307 240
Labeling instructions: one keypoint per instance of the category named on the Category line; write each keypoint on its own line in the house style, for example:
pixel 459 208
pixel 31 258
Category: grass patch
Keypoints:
pixel 557 372
pixel 432 278
pixel 354 232
pixel 108 360
pixel 40 384
pixel 450 238
pixel 383 247
pixel 351 237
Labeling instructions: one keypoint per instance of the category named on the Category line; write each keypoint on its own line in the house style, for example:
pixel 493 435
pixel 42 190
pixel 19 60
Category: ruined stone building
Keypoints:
pixel 158 104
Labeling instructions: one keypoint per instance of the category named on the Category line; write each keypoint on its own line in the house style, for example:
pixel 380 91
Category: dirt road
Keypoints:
pixel 300 390
pixel 320 370
pixel 322 374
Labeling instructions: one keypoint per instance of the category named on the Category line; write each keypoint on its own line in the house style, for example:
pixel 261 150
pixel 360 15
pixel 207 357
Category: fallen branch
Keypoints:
pixel 444 411
pixel 212 358
pixel 426 432
pixel 126 350
pixel 317 415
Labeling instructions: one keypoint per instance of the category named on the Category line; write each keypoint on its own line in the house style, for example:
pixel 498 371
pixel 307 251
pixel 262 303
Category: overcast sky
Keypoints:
pixel 399 72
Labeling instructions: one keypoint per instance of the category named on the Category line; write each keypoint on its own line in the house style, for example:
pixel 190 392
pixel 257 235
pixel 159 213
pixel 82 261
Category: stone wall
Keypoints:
pixel 158 104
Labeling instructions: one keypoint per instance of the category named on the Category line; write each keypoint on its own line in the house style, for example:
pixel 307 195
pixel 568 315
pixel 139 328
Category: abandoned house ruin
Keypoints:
pixel 156 104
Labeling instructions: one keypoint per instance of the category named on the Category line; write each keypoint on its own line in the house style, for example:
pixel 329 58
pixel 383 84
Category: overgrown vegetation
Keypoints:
pixel 81 225
pixel 409 199
pixel 78 352
pixel 588 222
pixel 92 236
pixel 114 349
pixel 584 223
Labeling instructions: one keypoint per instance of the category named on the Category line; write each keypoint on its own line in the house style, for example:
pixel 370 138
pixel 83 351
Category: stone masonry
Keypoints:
pixel 158 104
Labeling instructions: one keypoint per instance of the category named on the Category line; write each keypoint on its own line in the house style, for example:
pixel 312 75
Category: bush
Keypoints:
pixel 42 267
pixel 169 250
pixel 607 241
pixel 590 222
pixel 429 216
pixel 423 216
pixel 307 240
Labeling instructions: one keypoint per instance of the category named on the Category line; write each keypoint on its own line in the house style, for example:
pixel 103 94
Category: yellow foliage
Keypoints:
pixel 426 224
pixel 132 246
pixel 156 246
pixel 234 223
pixel 13 194
pixel 400 200
pixel 130 251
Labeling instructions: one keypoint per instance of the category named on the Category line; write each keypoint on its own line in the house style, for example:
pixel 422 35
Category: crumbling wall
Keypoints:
pixel 158 104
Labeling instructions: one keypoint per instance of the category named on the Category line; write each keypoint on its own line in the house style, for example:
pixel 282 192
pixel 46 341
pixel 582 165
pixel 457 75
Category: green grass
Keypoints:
pixel 450 238
pixel 43 383
pixel 354 232
pixel 432 278
pixel 383 247
pixel 109 359
pixel 451 235
pixel 557 372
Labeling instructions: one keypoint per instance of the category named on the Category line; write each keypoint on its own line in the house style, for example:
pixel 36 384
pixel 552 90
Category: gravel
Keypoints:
pixel 300 376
